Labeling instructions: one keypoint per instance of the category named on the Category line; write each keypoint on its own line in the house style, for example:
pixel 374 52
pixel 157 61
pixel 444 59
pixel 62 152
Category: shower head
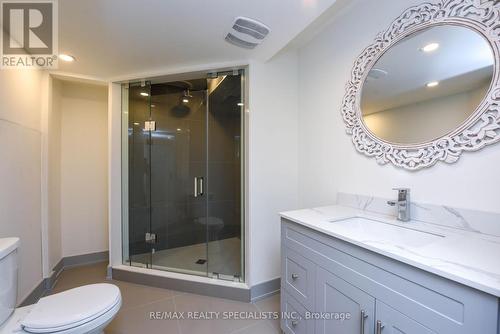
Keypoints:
pixel 186 96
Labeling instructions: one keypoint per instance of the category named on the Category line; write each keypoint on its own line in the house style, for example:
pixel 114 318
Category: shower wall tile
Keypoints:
pixel 178 154
pixel 221 181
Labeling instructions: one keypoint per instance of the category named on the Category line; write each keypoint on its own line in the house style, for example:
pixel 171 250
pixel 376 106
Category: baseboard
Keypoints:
pixel 265 289
pixel 48 283
pixel 84 259
pixel 33 297
pixel 255 293
pixel 51 280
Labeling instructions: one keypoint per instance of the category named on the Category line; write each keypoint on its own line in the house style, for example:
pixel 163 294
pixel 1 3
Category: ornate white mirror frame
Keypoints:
pixel 480 129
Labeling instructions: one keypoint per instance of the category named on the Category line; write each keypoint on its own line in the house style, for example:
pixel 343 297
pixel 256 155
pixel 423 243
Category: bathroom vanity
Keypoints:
pixel 349 272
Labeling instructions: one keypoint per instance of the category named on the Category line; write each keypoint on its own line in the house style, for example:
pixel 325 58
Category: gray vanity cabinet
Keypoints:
pixel 325 278
pixel 336 299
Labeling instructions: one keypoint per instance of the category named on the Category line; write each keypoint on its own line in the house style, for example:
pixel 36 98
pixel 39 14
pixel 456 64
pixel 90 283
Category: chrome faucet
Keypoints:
pixel 402 204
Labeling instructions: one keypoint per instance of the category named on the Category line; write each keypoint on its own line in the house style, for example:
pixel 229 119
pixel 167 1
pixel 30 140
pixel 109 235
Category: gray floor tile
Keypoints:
pixel 139 301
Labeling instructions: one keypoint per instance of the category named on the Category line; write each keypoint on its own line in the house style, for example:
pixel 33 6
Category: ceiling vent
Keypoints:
pixel 247 33
pixel 376 73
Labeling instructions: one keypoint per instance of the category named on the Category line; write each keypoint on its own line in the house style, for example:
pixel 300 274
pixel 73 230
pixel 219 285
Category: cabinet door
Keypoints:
pixel 394 322
pixel 342 308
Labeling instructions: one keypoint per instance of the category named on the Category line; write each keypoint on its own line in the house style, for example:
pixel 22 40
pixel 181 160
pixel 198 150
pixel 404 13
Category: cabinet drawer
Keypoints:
pixel 299 277
pixel 294 320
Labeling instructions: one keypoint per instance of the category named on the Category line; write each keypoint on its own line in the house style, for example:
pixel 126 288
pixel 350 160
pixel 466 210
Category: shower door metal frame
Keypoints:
pixel 243 70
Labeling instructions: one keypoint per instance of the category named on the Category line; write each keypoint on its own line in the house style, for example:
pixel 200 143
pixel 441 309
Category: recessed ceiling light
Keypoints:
pixel 179 129
pixel 144 94
pixel 185 100
pixel 432 84
pixel 240 104
pixel 430 47
pixel 67 58
pixel 153 106
pixel 135 123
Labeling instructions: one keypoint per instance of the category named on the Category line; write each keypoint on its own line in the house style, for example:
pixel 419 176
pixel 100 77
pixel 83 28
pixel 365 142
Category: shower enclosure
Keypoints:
pixel 182 158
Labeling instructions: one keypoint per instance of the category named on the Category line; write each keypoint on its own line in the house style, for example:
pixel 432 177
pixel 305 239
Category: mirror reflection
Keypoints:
pixel 427 85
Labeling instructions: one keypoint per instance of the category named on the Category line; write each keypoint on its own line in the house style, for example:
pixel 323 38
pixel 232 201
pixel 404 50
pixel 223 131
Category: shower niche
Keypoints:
pixel 182 173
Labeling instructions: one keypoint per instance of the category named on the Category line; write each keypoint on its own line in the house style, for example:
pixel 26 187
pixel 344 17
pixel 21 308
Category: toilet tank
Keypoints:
pixel 8 277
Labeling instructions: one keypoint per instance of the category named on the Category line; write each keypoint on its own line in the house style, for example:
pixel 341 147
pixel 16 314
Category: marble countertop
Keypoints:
pixel 466 257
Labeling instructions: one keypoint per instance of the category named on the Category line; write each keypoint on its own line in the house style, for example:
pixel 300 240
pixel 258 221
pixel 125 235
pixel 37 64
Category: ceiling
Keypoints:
pixel 463 62
pixel 114 39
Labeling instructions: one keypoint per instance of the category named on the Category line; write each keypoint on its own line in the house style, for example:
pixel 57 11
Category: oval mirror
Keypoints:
pixel 427 85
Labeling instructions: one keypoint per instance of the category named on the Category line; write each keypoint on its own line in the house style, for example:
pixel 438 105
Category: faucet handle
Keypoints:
pixel 403 193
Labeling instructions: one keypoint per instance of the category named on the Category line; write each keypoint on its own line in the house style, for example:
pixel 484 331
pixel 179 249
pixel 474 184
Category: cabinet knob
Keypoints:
pixel 295 276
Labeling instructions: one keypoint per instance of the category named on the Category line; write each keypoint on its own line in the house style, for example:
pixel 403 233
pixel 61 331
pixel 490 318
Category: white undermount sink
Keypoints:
pixel 374 231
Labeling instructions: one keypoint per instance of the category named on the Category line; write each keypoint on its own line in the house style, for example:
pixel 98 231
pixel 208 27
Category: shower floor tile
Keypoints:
pixel 139 301
pixel 223 258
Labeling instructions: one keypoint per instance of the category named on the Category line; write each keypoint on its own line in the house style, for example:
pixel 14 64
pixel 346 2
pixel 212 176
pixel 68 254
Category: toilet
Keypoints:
pixel 84 310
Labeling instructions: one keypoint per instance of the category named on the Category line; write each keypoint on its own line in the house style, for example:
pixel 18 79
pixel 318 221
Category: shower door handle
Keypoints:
pixel 195 186
pixel 198 186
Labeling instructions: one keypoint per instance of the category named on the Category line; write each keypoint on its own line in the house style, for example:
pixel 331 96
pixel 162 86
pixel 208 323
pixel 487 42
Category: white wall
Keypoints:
pixel 84 201
pixel 328 162
pixel 20 170
pixel 272 165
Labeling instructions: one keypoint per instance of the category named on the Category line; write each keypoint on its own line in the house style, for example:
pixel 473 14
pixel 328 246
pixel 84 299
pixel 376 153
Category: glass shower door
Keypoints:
pixel 224 164
pixel 183 175
pixel 178 179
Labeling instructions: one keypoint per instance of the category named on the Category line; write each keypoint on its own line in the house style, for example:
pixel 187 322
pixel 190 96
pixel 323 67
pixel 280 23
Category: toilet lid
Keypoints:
pixel 71 308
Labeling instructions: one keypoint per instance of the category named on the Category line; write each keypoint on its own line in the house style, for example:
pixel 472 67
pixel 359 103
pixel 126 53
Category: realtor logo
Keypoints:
pixel 29 34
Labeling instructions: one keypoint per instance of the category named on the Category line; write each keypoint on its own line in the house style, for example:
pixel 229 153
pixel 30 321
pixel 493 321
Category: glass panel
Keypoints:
pixel 178 160
pixel 125 170
pixel 139 155
pixel 224 215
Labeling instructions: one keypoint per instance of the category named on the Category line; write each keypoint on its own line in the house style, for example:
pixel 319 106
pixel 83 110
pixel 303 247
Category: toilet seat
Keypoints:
pixel 73 308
